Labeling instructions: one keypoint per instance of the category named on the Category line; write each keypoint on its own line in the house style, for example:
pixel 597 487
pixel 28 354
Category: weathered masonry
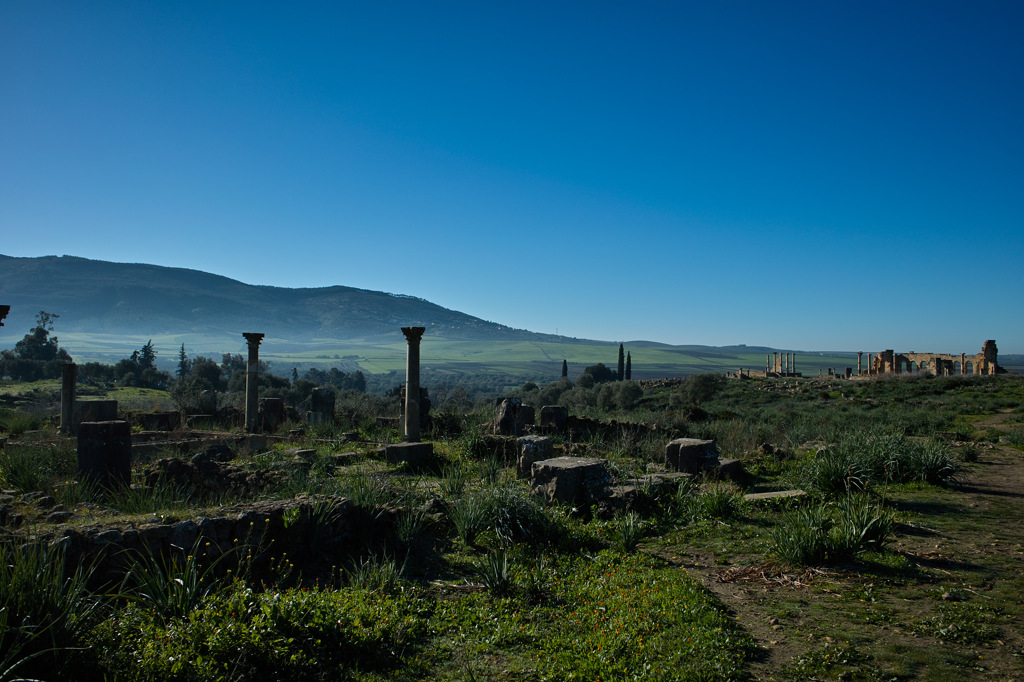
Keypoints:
pixel 940 364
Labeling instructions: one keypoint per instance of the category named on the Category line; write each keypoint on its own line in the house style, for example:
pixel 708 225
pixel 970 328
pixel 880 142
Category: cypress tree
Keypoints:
pixel 565 369
pixel 183 363
pixel 622 363
pixel 629 368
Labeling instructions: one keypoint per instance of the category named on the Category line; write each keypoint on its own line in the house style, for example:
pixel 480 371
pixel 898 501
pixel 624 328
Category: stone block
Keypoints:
pixel 691 455
pixel 411 453
pixel 161 421
pixel 728 467
pixel 532 449
pixel 554 417
pixel 271 413
pixel 774 495
pixel 571 480
pixel 93 411
pixel 105 452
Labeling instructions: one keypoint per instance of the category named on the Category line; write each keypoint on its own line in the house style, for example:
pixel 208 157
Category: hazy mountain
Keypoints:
pixel 136 299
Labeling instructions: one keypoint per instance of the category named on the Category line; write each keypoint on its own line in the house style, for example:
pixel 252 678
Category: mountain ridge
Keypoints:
pixel 138 298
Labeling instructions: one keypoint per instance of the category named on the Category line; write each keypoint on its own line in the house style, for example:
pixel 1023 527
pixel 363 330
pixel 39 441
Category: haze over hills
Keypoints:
pixel 136 299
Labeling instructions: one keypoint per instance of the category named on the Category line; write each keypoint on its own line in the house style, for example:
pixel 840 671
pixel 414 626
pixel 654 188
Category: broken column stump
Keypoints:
pixel 321 407
pixel 105 453
pixel 571 480
pixel 530 449
pixel 92 411
pixel 691 455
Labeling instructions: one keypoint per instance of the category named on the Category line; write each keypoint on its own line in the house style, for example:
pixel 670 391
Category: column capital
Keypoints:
pixel 413 334
pixel 253 338
pixel 4 309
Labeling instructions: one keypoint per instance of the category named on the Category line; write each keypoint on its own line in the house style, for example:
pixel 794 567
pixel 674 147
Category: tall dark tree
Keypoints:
pixel 37 356
pixel 622 364
pixel 295 374
pixel 38 345
pixel 565 369
pixel 629 368
pixel 147 356
pixel 184 366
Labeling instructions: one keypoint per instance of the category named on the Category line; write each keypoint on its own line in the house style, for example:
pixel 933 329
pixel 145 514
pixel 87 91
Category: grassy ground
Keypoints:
pixel 479 581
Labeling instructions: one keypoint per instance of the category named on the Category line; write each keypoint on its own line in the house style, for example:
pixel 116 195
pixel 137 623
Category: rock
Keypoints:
pixel 691 455
pixel 58 516
pixel 532 449
pixel 571 480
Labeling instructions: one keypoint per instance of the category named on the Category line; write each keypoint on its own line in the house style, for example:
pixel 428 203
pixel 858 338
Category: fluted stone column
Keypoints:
pixel 252 391
pixel 860 356
pixel 412 383
pixel 768 364
pixel 68 383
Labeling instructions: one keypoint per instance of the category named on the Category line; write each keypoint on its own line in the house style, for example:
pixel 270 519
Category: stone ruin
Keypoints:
pixel 938 364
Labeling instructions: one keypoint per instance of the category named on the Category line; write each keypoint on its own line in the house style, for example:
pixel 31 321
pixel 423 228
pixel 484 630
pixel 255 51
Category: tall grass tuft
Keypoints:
pixel 830 533
pixel 44 606
pixel 173 586
pixel 627 532
pixel 495 572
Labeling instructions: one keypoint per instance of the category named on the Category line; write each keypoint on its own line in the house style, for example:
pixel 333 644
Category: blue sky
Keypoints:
pixel 809 175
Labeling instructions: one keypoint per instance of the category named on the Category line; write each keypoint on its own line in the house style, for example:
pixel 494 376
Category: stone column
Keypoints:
pixel 787 364
pixel 412 383
pixel 68 381
pixel 768 364
pixel 775 362
pixel 252 391
pixel 860 359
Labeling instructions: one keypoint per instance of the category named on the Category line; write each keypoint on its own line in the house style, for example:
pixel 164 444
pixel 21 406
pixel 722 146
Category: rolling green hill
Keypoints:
pixel 109 309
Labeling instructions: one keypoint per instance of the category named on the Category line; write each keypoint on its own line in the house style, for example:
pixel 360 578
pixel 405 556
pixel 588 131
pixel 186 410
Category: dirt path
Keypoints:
pixel 953 610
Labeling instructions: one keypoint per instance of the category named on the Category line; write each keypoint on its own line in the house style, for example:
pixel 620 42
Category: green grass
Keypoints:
pixel 456 572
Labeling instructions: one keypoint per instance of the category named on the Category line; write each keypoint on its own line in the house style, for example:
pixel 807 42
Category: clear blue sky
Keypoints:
pixel 809 175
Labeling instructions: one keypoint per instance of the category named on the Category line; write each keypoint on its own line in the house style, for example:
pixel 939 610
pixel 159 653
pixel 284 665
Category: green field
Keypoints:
pixel 438 354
